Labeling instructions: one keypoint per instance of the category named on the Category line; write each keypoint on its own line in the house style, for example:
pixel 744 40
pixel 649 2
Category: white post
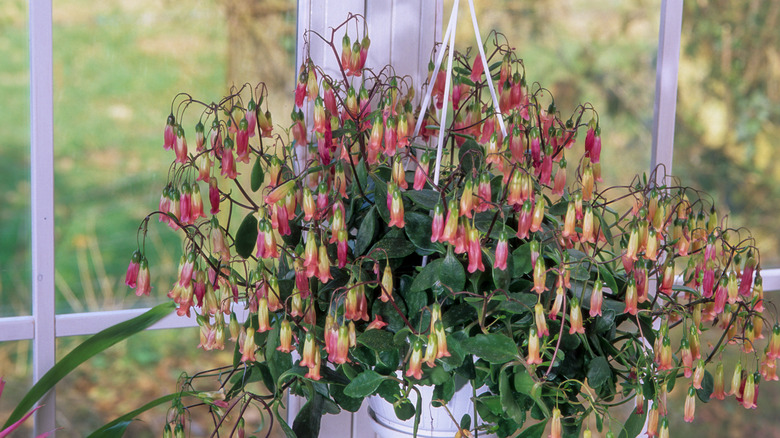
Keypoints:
pixel 42 202
pixel 666 83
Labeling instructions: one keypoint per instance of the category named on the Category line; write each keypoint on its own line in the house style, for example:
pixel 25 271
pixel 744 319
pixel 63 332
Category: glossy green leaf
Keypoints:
pixel 598 372
pixel 366 232
pixel 257 174
pixel 288 432
pixel 364 384
pixel 470 156
pixel 425 198
pixel 605 228
pixel 307 422
pixel 633 426
pixel 246 236
pixel 508 400
pixel 707 386
pixel 426 278
pixel 404 410
pixel 394 247
pixel 451 272
pixel 351 404
pixel 377 340
pixel 534 431
pixel 609 280
pixel 418 229
pixel 521 260
pixel 92 346
pixel 493 347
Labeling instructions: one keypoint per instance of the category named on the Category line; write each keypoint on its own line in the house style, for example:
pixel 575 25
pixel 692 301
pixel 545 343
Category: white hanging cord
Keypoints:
pixel 439 57
pixel 444 108
pixel 488 77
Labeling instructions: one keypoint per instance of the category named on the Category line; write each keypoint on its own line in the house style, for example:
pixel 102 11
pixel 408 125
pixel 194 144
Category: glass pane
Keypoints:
pixel 15 273
pixel 16 370
pixel 117 67
pixel 582 51
pixel 728 114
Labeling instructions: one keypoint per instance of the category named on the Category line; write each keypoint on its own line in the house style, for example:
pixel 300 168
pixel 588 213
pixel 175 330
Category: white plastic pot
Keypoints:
pixel 434 422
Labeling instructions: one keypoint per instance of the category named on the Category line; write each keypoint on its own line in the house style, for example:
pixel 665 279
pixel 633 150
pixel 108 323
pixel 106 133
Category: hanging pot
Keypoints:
pixel 435 422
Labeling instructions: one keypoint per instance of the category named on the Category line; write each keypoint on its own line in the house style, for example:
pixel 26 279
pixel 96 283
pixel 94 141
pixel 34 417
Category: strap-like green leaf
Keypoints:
pixel 118 426
pixel 92 346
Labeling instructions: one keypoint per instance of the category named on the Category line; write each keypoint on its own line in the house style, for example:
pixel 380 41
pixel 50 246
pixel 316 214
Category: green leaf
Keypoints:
pixel 534 431
pixel 92 346
pixel 470 155
pixel 633 426
pixel 118 426
pixel 493 347
pixel 418 229
pixel 524 383
pixel 246 236
pixel 347 403
pixel 425 198
pixel 451 272
pixel 598 372
pixel 404 410
pixel 393 247
pixel 508 401
pixel 257 175
pixel 288 432
pixel 366 232
pixel 426 278
pixel 307 422
pixel 445 391
pixel 377 340
pixel 609 280
pixel 521 260
pixel 605 228
pixel 364 384
pixel 707 386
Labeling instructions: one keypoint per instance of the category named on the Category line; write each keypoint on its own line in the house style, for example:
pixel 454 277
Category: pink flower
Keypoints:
pixel 169 136
pixel 132 269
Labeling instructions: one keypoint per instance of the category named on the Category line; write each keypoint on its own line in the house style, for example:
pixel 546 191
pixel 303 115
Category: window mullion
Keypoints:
pixel 668 64
pixel 42 203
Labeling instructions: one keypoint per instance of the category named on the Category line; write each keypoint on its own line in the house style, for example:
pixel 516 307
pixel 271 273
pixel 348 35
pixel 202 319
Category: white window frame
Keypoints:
pixel 44 325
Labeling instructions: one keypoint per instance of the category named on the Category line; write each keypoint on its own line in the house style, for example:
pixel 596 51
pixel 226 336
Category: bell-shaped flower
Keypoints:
pixel 131 276
pixel 575 317
pixel 396 207
pixel 534 357
pixel 415 361
pixel 474 251
pixel 421 173
pixel 228 163
pixel 143 280
pixel 502 251
pixel 631 297
pixel 386 284
pixel 248 347
pixel 540 320
pixel 540 275
pixel 596 298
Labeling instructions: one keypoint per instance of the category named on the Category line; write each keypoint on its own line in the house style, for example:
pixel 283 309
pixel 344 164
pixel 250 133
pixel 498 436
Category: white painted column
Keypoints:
pixel 402 33
pixel 42 202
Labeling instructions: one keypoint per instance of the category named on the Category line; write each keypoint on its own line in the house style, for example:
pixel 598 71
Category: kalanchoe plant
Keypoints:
pixel 371 263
